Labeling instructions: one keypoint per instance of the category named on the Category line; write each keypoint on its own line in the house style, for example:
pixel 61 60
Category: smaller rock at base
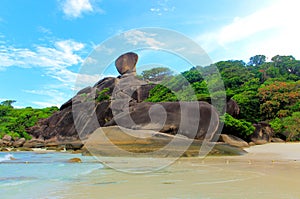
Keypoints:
pixel 259 142
pixel 74 160
pixel 233 140
pixel 277 140
pixel 19 142
pixel 7 138
pixel 251 144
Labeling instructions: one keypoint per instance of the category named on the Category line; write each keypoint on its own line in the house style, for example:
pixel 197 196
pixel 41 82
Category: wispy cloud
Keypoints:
pixel 76 8
pixel 44 30
pixel 60 54
pixel 55 61
pixel 137 37
pixel 161 7
pixel 271 30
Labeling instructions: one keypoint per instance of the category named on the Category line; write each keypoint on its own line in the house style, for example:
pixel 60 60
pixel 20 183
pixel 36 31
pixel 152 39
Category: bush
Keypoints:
pixel 239 128
pixel 103 95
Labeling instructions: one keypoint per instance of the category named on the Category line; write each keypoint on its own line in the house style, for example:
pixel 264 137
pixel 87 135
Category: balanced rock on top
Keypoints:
pixel 126 63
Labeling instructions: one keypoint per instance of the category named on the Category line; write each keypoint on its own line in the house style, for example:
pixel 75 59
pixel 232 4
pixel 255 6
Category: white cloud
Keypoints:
pixel 54 61
pixel 62 54
pixel 270 31
pixel 137 37
pixel 161 7
pixel 76 8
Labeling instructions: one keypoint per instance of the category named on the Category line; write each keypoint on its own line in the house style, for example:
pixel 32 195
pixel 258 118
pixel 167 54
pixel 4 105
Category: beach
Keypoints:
pixel 267 171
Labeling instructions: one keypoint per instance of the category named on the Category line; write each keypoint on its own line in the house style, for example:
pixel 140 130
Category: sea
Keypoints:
pixel 41 175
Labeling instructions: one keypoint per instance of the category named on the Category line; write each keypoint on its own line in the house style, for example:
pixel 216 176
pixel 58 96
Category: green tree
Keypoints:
pixel 156 74
pixel 8 103
pixel 257 60
pixel 239 128
pixel 292 125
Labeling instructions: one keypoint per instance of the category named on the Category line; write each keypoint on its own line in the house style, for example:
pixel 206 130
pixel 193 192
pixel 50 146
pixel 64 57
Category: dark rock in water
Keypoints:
pixel 126 63
pixel 74 160
pixel 233 140
pixel 232 108
pixel 19 142
pixel 191 119
pixel 263 133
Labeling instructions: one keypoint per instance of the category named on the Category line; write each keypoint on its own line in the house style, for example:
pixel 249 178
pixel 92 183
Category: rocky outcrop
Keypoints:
pixel 120 101
pixel 8 141
pixel 263 133
pixel 233 140
pixel 118 141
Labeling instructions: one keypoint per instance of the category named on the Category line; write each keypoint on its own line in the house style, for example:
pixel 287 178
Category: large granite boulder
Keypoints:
pixel 198 120
pixel 126 63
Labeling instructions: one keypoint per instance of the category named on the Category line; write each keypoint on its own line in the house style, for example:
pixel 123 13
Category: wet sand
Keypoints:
pixel 267 171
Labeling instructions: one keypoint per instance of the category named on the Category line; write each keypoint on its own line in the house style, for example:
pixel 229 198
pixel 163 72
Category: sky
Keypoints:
pixel 44 44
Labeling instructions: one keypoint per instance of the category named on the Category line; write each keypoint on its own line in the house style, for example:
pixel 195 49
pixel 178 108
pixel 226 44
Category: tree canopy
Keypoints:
pixel 264 90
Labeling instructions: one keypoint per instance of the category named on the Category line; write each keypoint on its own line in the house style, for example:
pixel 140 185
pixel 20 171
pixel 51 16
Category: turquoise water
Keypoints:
pixel 40 175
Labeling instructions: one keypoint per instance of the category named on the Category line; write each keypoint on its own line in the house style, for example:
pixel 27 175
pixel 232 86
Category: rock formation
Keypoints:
pixel 263 133
pixel 120 101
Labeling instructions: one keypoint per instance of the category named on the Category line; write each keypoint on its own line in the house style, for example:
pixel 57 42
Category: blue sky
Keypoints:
pixel 44 43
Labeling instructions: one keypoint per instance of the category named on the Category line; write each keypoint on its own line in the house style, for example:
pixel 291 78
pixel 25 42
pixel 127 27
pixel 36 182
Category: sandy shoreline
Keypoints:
pixel 267 171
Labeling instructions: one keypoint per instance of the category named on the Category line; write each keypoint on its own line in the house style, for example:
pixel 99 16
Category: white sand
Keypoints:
pixel 267 171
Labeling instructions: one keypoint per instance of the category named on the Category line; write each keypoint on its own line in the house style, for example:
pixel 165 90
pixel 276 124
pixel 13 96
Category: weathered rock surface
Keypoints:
pixel 233 140
pixel 263 133
pixel 34 143
pixel 126 63
pixel 277 140
pixel 19 143
pixel 119 141
pixel 197 120
pixel 7 138
pixel 232 108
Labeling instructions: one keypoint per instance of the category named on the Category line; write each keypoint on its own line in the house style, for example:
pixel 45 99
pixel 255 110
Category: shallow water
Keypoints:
pixel 40 175
pixel 34 175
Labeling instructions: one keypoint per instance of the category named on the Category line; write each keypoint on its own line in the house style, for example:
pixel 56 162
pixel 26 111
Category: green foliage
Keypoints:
pixel 103 95
pixel 292 126
pixel 156 74
pixel 14 122
pixel 240 128
pixel 277 125
pixel 257 60
pixel 276 98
